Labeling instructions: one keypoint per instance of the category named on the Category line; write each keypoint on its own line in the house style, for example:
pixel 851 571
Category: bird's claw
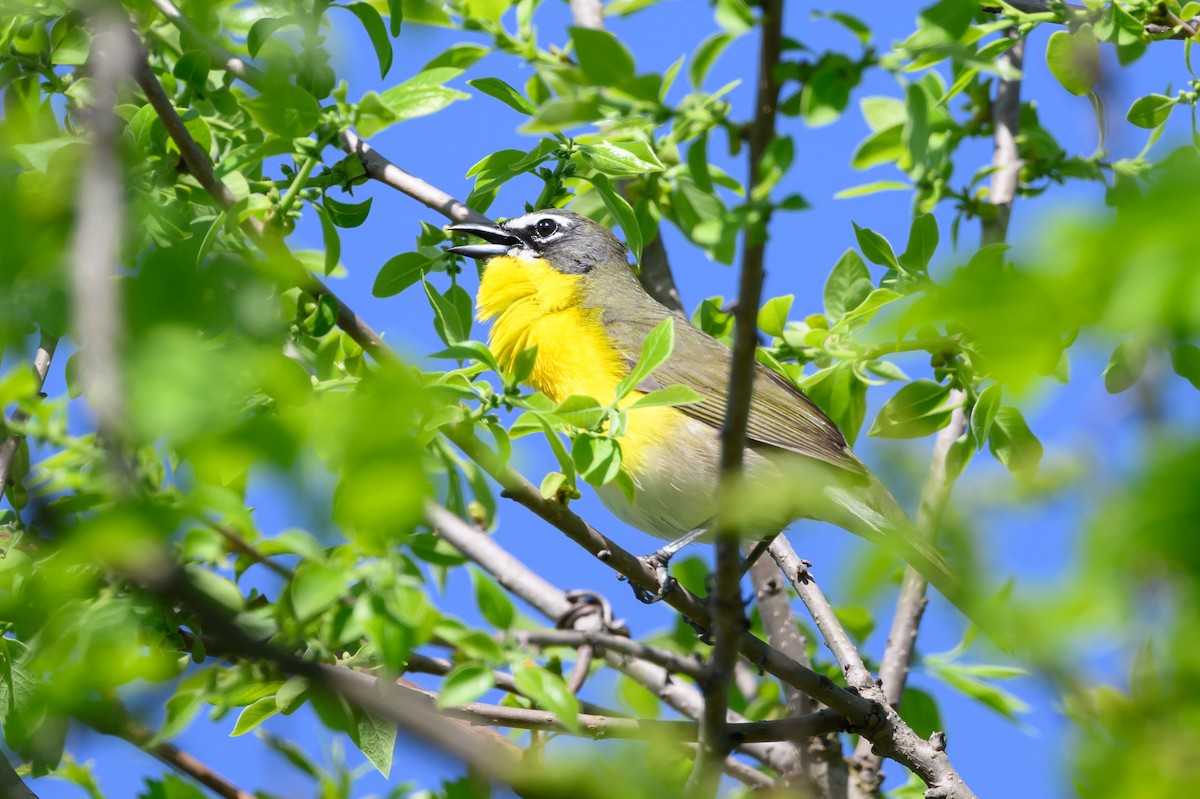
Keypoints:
pixel 657 562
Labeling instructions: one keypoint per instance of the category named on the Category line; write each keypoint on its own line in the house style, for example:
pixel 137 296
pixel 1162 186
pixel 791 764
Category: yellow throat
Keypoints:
pixel 533 304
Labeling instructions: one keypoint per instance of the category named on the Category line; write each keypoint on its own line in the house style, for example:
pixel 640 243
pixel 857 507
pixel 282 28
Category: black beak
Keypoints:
pixel 499 241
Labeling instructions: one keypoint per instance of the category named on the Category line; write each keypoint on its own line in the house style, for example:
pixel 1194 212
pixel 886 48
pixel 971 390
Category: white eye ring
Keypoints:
pixel 545 228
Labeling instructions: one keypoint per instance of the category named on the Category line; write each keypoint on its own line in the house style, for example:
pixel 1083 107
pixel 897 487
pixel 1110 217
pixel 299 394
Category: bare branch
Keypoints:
pixel 96 243
pixel 588 13
pixel 11 784
pixel 10 445
pixel 520 580
pixel 111 718
pixel 669 660
pixel 728 613
pixel 597 727
pixel 1006 118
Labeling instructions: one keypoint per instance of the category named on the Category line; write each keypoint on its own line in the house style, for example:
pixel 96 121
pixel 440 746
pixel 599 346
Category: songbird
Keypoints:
pixel 561 282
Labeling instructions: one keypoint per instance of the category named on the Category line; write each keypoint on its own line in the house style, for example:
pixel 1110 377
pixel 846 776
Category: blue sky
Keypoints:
pixel 1076 422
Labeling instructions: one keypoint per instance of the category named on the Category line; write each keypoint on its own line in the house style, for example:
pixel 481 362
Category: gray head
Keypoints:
pixel 569 242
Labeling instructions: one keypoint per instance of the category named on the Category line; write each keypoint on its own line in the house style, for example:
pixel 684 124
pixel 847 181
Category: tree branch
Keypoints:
pixel 669 660
pixel 557 605
pixel 110 718
pixel 96 242
pixel 10 445
pixel 11 784
pixel 201 169
pixel 1175 28
pixel 728 613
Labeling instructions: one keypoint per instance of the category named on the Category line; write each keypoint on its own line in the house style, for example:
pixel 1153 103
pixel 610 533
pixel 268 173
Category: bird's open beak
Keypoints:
pixel 499 241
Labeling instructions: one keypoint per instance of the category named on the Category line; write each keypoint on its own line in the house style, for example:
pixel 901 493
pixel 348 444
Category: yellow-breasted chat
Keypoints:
pixel 561 282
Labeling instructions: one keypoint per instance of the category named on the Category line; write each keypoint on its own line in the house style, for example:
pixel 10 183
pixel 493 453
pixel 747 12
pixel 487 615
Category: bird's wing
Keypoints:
pixel 780 415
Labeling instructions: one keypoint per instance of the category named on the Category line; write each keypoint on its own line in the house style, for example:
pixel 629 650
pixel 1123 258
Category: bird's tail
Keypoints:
pixel 875 515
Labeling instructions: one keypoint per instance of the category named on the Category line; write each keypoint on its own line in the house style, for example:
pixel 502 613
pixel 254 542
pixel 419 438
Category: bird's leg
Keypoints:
pixel 658 561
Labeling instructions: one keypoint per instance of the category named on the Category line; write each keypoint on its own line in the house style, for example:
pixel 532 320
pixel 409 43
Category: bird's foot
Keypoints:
pixel 656 562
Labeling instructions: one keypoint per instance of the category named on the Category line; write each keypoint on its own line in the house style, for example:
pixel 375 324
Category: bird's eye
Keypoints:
pixel 545 227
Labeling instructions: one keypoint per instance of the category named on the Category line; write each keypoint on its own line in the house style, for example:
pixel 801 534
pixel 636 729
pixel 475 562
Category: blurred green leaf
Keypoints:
pixel 372 22
pixel 918 409
pixel 1126 365
pixel 465 683
pixel 1014 444
pixel 603 59
pixel 494 87
pixel 1074 59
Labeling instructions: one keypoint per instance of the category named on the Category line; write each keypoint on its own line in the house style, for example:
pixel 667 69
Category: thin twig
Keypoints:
pixel 11 784
pixel 597 727
pixel 201 169
pixel 669 660
pixel 910 606
pixel 10 445
pixel 110 718
pixel 728 613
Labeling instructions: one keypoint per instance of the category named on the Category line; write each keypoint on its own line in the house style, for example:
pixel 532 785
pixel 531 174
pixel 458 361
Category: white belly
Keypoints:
pixel 671 501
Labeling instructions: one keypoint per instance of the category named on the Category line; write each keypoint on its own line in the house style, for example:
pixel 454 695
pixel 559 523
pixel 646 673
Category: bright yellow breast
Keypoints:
pixel 534 305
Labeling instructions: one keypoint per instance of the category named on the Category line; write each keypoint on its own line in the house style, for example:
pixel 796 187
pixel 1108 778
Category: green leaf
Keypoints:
pixel 314 588
pixel 459 56
pixel 399 273
pixel 1014 444
pixel 922 243
pixel 951 16
pixel 465 683
pixel 866 310
pixel 284 110
pixel 330 237
pixel 920 710
pixel 882 147
pixel 581 411
pixel 1117 26
pixel 1151 111
pixel 623 159
pixel 552 483
pixel 959 678
pixel 494 87
pixel 984 413
pixel 395 16
pixel 470 350
pixel 597 458
pixel 71 43
pixel 291 695
pixel 872 188
pixel 1074 59
pixel 848 285
pixel 548 691
pixel 655 350
pixel 916 410
pixel 1126 365
pixel 841 395
pixel 373 23
pixel 253 715
pixel 603 59
pixel 493 603
pixel 377 740
pixel 774 314
pixel 1185 359
pixel 677 394
pixel 562 114
pixel 347 215
pixel 192 68
pixel 706 55
pixel 447 320
pixel 619 207
pixel 420 95
pixel 875 248
pixel 262 29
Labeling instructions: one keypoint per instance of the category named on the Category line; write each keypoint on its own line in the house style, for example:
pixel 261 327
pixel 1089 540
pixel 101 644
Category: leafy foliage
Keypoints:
pixel 235 372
